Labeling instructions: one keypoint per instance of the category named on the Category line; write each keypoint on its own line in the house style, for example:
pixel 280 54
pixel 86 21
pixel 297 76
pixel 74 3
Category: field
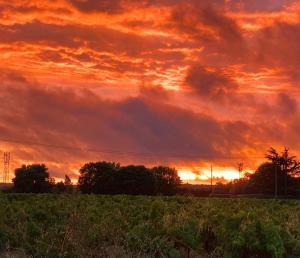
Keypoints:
pixel 128 226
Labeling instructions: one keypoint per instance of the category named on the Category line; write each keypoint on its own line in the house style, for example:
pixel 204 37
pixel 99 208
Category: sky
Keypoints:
pixel 183 83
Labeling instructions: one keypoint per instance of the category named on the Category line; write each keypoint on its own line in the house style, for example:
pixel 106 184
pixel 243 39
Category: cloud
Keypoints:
pixel 259 5
pixel 99 38
pixel 141 124
pixel 210 26
pixel 217 77
pixel 277 47
pixel 210 83
pixel 155 93
pixel 278 44
pixel 106 6
pixel 287 105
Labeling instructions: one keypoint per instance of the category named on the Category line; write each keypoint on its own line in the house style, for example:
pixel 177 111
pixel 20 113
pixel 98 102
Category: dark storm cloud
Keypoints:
pixel 118 6
pixel 208 83
pixel 259 5
pixel 107 6
pixel 287 105
pixel 141 124
pixel 210 26
pixel 98 38
pixel 278 45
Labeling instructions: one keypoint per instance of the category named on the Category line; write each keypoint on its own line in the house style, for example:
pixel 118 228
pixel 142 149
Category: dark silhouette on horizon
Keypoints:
pixel 112 178
pixel 278 176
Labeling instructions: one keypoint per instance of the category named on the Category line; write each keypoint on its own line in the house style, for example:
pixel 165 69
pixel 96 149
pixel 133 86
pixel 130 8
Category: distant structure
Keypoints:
pixel 240 168
pixel 6 159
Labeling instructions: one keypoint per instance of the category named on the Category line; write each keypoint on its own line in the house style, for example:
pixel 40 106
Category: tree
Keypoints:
pixel 263 180
pixel 59 188
pixel 288 165
pixel 98 178
pixel 67 180
pixel 240 168
pixel 135 180
pixel 279 175
pixel 166 179
pixel 32 179
pixel 68 184
pixel 111 178
pixel 63 186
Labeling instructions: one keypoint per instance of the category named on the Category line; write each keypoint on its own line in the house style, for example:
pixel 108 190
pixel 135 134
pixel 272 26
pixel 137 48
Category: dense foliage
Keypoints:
pixel 111 178
pixel 278 176
pixel 32 179
pixel 262 181
pixel 35 178
pixel 65 186
pixel 136 226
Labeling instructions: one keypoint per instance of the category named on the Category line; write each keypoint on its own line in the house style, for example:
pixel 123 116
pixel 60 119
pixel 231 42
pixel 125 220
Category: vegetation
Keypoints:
pixel 279 175
pixel 65 186
pixel 32 179
pixel 100 178
pixel 114 225
pixel 111 178
pixel 137 226
pixel 35 178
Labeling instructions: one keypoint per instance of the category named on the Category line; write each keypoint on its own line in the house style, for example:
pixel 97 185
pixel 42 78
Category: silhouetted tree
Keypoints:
pixel 240 168
pixel 67 180
pixel 240 186
pixel 32 179
pixel 166 180
pixel 111 178
pixel 281 168
pixel 59 187
pixel 288 165
pixel 63 186
pixel 68 184
pixel 263 180
pixel 135 180
pixel 98 178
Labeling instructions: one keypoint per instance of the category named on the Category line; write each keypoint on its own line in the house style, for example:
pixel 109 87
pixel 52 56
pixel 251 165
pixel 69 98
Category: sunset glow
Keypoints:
pixel 187 175
pixel 203 175
pixel 183 83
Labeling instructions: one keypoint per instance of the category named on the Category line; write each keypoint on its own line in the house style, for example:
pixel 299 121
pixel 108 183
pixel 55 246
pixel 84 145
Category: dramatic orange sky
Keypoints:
pixel 184 83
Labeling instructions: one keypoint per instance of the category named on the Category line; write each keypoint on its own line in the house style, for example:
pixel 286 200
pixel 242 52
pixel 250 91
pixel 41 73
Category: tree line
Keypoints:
pixel 278 176
pixel 100 178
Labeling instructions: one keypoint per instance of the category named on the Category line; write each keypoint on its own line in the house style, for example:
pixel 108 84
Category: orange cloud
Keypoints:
pixel 210 81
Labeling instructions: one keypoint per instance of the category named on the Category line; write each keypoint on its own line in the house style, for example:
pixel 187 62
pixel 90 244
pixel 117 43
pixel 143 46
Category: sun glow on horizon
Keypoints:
pixel 204 174
pixel 186 175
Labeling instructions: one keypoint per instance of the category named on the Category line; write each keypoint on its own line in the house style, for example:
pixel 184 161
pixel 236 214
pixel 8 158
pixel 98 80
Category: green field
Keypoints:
pixel 50 225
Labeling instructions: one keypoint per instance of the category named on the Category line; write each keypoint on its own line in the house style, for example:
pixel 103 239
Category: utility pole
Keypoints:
pixel 285 164
pixel 6 159
pixel 211 179
pixel 276 180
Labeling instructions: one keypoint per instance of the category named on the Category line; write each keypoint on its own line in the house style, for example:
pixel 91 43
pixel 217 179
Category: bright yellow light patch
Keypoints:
pixel 186 175
pixel 219 172
pixel 205 174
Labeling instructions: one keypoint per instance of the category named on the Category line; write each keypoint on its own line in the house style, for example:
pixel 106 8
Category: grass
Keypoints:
pixel 49 225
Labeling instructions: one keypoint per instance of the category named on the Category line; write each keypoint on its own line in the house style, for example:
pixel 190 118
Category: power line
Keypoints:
pixel 111 151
